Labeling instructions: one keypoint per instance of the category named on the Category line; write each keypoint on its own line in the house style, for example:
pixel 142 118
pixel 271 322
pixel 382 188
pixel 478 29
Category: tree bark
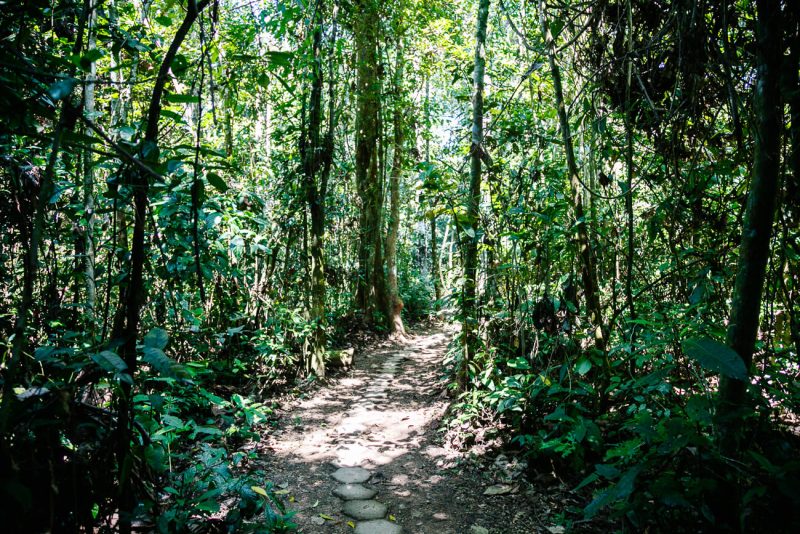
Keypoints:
pixel 588 270
pixel 629 174
pixel 316 162
pixel 469 304
pixel 435 269
pixel 758 220
pixel 88 184
pixel 371 290
pixel 394 311
pixel 135 292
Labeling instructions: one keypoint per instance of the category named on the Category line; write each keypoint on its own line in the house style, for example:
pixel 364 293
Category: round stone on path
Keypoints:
pixel 364 510
pixel 351 475
pixel 354 492
pixel 379 526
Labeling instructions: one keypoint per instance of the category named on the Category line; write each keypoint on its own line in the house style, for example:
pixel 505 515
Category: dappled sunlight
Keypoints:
pixel 363 420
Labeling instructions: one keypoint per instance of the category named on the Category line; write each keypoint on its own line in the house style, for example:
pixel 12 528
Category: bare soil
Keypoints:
pixel 386 417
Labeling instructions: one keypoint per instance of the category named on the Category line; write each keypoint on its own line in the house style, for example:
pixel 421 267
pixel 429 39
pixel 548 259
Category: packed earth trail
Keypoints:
pixel 364 454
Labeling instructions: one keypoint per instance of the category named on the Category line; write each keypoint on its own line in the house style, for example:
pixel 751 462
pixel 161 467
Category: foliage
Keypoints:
pixel 211 194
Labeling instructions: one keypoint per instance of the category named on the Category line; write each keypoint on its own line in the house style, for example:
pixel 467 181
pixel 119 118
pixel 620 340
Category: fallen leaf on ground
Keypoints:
pixel 500 489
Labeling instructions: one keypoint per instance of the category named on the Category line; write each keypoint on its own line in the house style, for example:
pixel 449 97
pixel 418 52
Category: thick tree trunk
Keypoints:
pixel 585 254
pixel 371 292
pixel 472 235
pixel 313 154
pixel 758 219
pixel 395 309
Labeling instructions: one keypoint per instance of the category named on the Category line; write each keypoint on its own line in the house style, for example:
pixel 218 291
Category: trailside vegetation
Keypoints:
pixel 205 202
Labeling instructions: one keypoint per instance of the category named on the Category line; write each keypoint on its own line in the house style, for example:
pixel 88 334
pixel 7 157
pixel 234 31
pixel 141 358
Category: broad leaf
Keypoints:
pixel 159 361
pixel 156 338
pixel 109 361
pixel 182 99
pixel 62 88
pixel 583 366
pixel 218 183
pixel 715 356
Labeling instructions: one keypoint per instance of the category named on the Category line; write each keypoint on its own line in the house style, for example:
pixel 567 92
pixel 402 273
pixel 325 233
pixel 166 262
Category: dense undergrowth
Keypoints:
pixel 201 200
pixel 639 450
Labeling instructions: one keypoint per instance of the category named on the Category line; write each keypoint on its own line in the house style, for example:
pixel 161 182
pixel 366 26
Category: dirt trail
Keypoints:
pixel 384 416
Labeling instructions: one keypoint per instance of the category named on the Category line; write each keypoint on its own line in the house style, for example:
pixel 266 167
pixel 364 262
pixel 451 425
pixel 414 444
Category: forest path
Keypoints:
pixel 384 416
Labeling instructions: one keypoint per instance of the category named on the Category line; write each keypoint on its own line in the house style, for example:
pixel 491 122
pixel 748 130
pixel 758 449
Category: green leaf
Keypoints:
pixel 211 431
pixel 154 454
pixel 283 59
pixel 218 183
pixel 156 338
pixel 519 363
pixel 90 57
pixel 172 421
pixel 110 361
pixel 62 88
pixel 715 356
pixel 182 99
pixel 583 366
pixel 127 133
pixel 164 20
pixel 159 361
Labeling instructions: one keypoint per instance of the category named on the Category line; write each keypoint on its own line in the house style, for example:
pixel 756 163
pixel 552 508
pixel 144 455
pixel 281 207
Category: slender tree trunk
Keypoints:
pixel 395 302
pixel 792 208
pixel 316 161
pixel 88 185
pixel 435 269
pixel 758 219
pixel 588 270
pixel 629 174
pixel 135 292
pixel 470 307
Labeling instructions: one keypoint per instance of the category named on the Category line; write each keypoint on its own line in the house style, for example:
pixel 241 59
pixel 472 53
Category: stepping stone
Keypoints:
pixel 351 475
pixel 379 526
pixel 365 510
pixel 354 492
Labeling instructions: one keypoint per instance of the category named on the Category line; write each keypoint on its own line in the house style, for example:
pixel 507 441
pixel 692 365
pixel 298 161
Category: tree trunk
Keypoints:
pixel 371 291
pixel 588 270
pixel 88 185
pixel 758 219
pixel 629 174
pixel 435 270
pixel 316 156
pixel 469 304
pixel 395 309
pixel 135 292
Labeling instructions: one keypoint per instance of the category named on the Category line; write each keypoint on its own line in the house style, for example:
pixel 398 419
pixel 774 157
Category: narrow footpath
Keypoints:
pixel 365 454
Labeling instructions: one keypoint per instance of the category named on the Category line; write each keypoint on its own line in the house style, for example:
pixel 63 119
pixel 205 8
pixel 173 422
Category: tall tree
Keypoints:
pixel 371 297
pixel 758 218
pixel 472 234
pixel 88 178
pixel 317 154
pixel 126 332
pixel 583 243
pixel 395 302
